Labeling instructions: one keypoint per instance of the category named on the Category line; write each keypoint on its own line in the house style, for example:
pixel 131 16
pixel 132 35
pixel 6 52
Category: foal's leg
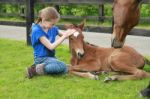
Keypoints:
pixel 138 75
pixel 120 77
pixel 125 68
pixel 85 68
pixel 85 75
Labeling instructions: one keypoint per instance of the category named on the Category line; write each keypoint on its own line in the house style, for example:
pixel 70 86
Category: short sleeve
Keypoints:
pixel 56 30
pixel 35 36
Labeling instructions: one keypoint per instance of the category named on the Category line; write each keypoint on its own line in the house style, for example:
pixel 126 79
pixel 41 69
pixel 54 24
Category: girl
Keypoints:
pixel 44 44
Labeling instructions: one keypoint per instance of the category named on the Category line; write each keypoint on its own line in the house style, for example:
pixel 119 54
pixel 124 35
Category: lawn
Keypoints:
pixel 15 56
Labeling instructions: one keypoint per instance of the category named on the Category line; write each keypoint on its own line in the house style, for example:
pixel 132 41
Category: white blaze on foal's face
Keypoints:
pixel 76 34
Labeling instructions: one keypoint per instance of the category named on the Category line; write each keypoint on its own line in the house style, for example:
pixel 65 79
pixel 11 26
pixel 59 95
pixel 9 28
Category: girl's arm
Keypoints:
pixel 49 45
pixel 60 33
pixel 52 46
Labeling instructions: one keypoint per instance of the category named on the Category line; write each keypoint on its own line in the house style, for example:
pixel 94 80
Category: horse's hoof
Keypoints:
pixel 96 77
pixel 107 79
pixel 104 72
pixel 95 73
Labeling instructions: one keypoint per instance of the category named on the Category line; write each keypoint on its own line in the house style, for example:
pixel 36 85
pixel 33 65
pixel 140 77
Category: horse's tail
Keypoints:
pixel 147 61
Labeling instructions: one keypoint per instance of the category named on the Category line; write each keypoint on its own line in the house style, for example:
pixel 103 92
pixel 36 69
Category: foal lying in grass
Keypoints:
pixel 86 58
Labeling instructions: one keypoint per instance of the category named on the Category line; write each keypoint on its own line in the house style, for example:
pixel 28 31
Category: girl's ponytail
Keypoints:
pixel 38 20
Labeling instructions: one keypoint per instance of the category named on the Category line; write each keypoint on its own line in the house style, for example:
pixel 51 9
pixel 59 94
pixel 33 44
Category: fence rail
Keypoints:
pixel 13 1
pixel 142 19
pixel 98 29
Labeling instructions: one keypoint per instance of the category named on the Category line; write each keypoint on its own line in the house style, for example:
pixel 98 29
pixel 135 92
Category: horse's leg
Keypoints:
pixel 138 75
pixel 74 61
pixel 120 77
pixel 85 75
pixel 134 72
pixel 85 68
pixel 115 73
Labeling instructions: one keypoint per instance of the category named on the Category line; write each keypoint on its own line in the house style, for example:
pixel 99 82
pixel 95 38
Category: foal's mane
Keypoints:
pixel 90 44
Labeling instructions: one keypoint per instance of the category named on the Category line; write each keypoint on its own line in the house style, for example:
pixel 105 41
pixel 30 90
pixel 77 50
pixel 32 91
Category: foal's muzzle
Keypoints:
pixel 80 53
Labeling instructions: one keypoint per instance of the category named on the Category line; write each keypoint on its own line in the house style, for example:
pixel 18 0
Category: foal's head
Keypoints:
pixel 126 15
pixel 76 40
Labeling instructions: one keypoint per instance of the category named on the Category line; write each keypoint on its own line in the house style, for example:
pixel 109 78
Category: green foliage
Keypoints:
pixel 77 10
pixel 38 7
pixel 85 10
pixel 72 9
pixel 108 10
pixel 16 56
pixel 145 10
pixel 9 8
pixel 65 10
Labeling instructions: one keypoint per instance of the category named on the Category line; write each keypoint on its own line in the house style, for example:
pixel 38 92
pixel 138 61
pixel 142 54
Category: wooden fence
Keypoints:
pixel 29 6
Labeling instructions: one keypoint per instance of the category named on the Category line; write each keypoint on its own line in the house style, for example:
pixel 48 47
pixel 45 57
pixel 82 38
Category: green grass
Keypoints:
pixel 15 56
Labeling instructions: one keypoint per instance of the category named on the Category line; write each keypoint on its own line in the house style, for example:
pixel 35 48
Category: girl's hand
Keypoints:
pixel 69 32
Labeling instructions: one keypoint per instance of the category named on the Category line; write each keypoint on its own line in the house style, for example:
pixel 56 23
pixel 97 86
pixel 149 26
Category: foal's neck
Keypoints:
pixel 91 49
pixel 87 46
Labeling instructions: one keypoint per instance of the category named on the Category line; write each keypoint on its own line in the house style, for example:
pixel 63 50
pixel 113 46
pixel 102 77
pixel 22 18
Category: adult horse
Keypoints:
pixel 125 16
pixel 87 58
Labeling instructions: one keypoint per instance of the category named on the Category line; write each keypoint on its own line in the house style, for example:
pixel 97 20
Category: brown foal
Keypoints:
pixel 87 58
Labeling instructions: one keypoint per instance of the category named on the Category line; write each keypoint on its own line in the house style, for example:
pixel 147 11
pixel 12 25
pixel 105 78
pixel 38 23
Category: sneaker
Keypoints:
pixel 30 71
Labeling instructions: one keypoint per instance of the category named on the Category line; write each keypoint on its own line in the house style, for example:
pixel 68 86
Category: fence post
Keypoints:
pixel 101 12
pixel 22 11
pixel 29 19
pixel 57 8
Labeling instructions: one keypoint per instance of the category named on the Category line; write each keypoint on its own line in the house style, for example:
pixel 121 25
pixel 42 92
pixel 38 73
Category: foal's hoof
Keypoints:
pixel 107 79
pixel 96 77
pixel 104 72
pixel 112 78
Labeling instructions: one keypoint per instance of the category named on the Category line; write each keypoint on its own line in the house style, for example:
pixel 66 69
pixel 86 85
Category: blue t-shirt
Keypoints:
pixel 39 49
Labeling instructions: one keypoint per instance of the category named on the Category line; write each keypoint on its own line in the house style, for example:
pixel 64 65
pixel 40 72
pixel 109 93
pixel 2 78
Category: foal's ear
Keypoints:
pixel 81 26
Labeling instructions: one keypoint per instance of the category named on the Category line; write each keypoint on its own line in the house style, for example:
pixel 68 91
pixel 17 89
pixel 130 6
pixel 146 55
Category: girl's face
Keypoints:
pixel 49 23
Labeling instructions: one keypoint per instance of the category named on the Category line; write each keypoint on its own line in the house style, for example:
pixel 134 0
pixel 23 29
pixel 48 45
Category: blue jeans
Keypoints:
pixel 52 65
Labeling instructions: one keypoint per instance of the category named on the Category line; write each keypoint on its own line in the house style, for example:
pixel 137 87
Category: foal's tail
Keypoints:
pixel 147 61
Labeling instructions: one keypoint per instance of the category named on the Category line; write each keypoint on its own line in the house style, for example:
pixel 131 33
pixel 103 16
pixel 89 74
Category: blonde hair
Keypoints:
pixel 48 13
